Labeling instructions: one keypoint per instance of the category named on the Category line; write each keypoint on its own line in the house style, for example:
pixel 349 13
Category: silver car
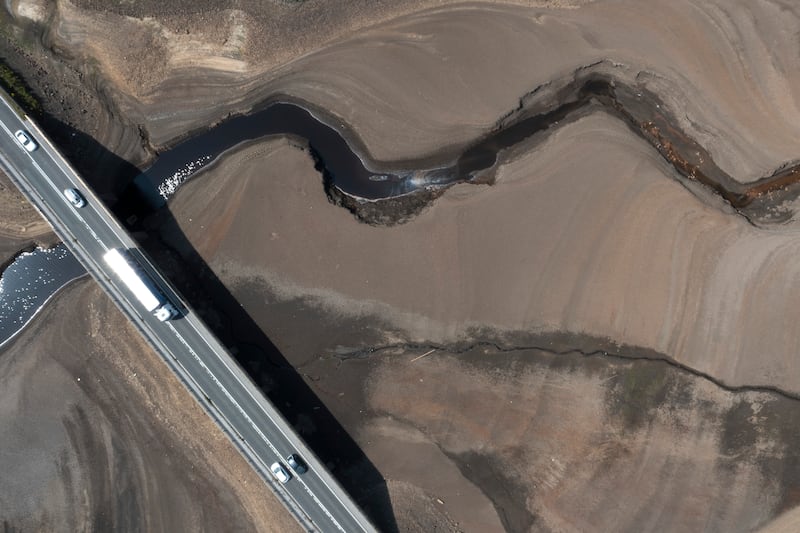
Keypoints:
pixel 280 472
pixel 74 197
pixel 26 140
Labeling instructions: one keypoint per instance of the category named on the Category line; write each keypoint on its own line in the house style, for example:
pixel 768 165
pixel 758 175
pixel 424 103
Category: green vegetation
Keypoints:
pixel 19 91
pixel 644 387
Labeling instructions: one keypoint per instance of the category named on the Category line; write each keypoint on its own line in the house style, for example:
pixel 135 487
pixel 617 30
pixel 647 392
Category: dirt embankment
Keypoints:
pixel 21 226
pixel 582 236
pixel 96 435
pixel 470 64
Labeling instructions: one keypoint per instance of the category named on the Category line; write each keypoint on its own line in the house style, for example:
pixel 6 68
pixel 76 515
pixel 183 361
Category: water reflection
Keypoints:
pixel 343 165
pixel 32 279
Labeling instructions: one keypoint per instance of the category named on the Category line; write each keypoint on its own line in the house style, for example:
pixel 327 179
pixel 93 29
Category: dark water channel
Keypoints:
pixel 342 165
pixel 344 168
pixel 29 282
pixel 176 165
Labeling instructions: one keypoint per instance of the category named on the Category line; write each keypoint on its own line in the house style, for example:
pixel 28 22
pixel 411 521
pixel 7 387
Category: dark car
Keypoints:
pixel 297 464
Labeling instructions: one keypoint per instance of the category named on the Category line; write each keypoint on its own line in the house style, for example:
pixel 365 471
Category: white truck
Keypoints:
pixel 140 284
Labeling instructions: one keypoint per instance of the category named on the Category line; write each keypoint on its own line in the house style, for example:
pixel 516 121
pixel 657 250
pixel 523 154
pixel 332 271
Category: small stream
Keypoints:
pixel 29 282
pixel 36 276
pixel 176 165
pixel 345 168
pixel 342 164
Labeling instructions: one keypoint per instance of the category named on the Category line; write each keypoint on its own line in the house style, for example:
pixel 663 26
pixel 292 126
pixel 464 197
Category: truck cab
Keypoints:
pixel 166 312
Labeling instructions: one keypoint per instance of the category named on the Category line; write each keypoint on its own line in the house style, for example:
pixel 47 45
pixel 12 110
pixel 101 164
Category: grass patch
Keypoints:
pixel 19 91
pixel 645 386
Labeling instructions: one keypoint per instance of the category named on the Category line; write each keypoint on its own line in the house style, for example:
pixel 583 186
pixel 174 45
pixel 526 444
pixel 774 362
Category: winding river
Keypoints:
pixel 356 176
pixel 346 169
pixel 36 276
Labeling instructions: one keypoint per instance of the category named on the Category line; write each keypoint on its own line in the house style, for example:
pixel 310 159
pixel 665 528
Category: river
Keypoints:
pixel 29 282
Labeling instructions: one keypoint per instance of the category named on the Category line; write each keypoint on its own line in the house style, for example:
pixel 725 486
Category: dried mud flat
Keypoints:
pixel 95 432
pixel 613 348
pixel 96 435
pixel 585 234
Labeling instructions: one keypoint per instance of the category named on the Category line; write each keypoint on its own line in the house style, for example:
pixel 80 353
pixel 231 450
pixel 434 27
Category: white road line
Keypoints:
pixel 55 159
pixel 250 421
pixel 53 185
pixel 263 410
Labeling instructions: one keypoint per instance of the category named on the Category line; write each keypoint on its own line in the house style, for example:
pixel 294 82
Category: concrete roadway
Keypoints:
pixel 189 348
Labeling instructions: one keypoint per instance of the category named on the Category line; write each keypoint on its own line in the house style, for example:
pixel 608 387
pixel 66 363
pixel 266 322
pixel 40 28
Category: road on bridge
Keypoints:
pixel 186 344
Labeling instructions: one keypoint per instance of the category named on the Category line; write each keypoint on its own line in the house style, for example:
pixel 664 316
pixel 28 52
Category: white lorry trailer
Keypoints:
pixel 140 284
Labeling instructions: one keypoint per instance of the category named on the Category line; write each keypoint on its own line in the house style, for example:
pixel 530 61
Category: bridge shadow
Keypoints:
pixel 236 329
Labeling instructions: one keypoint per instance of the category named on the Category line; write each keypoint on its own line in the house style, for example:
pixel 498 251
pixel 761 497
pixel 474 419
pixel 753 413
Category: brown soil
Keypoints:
pixel 484 264
pixel 96 435
pixel 634 249
pixel 21 226
pixel 583 237
pixel 561 445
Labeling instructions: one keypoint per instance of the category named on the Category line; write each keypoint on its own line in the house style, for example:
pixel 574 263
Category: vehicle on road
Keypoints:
pixel 26 140
pixel 140 284
pixel 74 197
pixel 297 464
pixel 280 472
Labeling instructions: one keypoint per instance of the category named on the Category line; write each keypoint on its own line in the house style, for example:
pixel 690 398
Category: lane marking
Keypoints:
pixel 263 410
pixel 52 185
pixel 253 425
pixel 111 227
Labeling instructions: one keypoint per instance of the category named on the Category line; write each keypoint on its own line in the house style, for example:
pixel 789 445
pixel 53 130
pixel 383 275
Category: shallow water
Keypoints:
pixel 178 164
pixel 29 282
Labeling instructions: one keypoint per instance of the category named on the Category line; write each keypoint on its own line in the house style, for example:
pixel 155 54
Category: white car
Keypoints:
pixel 280 472
pixel 74 197
pixel 26 140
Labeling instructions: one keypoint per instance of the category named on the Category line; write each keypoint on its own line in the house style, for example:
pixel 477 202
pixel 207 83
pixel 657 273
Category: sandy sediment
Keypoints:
pixel 559 443
pixel 98 435
pixel 585 234
pixel 19 219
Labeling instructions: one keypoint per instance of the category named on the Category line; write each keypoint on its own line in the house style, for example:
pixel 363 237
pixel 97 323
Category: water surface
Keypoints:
pixel 29 282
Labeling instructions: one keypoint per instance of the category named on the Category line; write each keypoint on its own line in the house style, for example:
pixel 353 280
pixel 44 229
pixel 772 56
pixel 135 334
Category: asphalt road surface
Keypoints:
pixel 189 348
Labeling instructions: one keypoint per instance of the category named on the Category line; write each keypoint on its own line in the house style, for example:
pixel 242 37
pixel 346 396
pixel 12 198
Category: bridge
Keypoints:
pixel 186 344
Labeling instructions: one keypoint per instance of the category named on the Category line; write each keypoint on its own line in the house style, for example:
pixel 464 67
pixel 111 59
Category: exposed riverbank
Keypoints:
pixel 450 347
pixel 152 113
pixel 587 232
